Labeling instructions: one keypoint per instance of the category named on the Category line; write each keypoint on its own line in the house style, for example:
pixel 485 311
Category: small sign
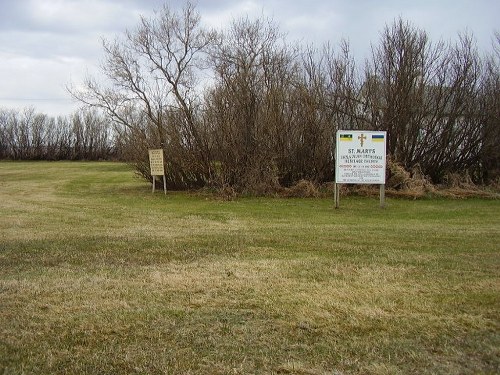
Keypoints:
pixel 156 162
pixel 360 157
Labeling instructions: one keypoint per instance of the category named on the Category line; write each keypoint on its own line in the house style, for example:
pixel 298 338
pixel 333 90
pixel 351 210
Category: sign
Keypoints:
pixel 360 157
pixel 156 162
pixel 157 168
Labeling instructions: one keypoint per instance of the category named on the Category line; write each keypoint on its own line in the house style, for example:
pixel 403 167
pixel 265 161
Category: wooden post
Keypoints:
pixel 165 184
pixel 382 195
pixel 336 195
pixel 154 183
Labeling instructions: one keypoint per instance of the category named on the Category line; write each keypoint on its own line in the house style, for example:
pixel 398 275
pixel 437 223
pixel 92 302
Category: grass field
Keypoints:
pixel 100 276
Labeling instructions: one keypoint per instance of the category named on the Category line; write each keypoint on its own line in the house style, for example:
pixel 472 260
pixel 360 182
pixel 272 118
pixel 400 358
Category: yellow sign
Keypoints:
pixel 156 162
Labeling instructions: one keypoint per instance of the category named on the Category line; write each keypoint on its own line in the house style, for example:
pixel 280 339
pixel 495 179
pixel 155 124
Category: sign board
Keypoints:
pixel 360 157
pixel 156 162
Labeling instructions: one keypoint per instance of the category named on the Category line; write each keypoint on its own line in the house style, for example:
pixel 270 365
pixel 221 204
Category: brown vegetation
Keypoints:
pixel 243 108
pixel 99 276
pixel 28 135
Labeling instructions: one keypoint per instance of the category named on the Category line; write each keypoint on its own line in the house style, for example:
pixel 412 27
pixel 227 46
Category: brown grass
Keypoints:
pixel 302 189
pixel 98 276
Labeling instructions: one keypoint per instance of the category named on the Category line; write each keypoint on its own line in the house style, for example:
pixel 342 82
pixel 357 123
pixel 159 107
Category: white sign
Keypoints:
pixel 156 162
pixel 360 157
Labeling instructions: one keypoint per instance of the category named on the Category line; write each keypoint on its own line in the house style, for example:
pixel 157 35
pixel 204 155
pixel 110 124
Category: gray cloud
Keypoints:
pixel 45 44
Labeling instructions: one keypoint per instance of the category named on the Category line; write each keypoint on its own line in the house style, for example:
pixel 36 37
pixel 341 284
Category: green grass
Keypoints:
pixel 100 276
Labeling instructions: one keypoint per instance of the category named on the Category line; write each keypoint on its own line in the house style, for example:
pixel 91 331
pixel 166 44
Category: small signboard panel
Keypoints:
pixel 157 168
pixel 360 157
pixel 156 162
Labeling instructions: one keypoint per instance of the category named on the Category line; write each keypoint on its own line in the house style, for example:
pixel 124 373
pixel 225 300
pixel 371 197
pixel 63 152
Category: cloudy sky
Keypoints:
pixel 47 44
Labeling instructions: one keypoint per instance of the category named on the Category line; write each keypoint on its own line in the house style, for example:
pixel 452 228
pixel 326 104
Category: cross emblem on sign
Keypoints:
pixel 362 138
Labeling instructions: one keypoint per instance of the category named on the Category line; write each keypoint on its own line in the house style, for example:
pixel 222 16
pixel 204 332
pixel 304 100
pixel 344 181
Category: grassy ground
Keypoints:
pixel 99 276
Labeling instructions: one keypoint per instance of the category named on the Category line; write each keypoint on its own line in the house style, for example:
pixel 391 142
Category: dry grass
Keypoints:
pixel 302 189
pixel 414 184
pixel 97 275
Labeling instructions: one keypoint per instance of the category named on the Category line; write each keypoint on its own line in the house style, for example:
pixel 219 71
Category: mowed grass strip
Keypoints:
pixel 99 276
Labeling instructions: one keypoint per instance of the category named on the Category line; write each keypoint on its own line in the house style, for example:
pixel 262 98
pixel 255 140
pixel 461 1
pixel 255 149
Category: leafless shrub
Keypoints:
pixel 426 96
pixel 152 94
pixel 227 193
pixel 268 117
pixel 29 135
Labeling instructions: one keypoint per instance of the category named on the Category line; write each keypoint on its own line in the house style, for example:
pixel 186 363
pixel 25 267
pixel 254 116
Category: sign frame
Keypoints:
pixel 360 158
pixel 157 168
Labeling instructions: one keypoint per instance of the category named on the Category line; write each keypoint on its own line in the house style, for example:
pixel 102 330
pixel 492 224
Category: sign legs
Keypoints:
pixel 382 195
pixel 336 195
pixel 164 184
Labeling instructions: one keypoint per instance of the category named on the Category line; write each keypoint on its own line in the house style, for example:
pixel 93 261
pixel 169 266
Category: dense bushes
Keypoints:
pixel 268 113
pixel 242 109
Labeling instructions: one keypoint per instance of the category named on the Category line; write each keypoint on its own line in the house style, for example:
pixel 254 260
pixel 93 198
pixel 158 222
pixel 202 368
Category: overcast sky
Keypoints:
pixel 47 44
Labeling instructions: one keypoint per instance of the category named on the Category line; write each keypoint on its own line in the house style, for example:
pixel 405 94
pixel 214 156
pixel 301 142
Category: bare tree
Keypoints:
pixel 269 116
pixel 91 136
pixel 244 107
pixel 425 97
pixel 490 115
pixel 152 74
pixel 328 101
pixel 456 134
pixel 395 86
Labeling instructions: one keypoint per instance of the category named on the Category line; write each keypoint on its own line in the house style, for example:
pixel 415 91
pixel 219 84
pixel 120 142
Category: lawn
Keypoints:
pixel 100 276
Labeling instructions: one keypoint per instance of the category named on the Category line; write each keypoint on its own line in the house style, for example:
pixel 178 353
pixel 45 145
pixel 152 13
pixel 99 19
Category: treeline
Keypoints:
pixel 28 135
pixel 245 109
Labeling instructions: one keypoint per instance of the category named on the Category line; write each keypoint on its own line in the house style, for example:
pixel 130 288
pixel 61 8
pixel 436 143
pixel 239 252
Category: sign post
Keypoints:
pixel 360 158
pixel 157 167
